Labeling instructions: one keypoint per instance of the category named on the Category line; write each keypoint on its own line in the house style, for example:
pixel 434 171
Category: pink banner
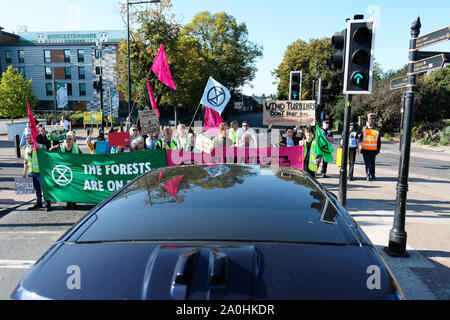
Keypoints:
pixel 284 157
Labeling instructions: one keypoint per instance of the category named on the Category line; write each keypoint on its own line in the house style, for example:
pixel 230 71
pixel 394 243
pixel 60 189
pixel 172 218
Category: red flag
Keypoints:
pixel 33 126
pixel 172 186
pixel 161 68
pixel 152 98
pixel 160 176
pixel 212 121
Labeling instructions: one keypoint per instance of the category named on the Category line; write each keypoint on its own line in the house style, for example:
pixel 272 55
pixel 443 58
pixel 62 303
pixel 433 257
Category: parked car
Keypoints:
pixel 214 232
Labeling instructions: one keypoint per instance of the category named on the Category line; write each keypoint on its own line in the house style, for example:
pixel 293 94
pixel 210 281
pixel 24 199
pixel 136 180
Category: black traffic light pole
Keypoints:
pixel 397 235
pixel 101 101
pixel 342 195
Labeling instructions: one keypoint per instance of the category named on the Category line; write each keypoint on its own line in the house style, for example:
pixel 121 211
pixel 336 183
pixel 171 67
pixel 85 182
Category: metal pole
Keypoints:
pixel 398 235
pixel 342 196
pixel 401 121
pixel 17 143
pixel 128 57
pixel 55 113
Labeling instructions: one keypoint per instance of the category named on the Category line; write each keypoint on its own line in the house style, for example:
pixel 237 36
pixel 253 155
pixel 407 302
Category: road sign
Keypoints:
pixel 433 38
pixel 420 55
pixel 428 64
pixel 399 83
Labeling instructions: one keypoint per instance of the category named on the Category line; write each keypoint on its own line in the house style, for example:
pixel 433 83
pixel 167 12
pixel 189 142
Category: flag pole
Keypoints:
pixel 194 116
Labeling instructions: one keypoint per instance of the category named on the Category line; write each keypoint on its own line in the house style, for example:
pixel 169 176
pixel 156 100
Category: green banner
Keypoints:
pixel 87 178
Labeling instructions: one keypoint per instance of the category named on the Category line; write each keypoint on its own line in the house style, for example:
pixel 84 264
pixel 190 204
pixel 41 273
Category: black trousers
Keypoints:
pixel 369 160
pixel 351 161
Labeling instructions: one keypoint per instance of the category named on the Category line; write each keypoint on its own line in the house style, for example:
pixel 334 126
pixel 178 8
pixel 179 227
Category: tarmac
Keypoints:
pixel 424 275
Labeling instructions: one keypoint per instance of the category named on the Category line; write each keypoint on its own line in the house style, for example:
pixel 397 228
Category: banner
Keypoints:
pixel 86 178
pixel 284 157
pixel 61 95
pixel 92 117
pixel 289 113
pixel 24 186
pixel 149 120
pixel 55 132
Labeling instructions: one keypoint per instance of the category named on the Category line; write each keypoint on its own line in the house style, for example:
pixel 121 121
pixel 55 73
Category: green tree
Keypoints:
pixel 311 59
pixel 228 54
pixel 15 90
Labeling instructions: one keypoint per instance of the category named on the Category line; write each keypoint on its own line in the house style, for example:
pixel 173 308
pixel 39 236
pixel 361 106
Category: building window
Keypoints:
pixel 22 70
pixel 48 73
pixel 98 71
pixel 69 89
pixel 80 55
pixel 81 73
pixel 47 56
pixel 66 55
pixel 68 73
pixel 49 89
pixel 8 56
pixel 82 89
pixel 21 55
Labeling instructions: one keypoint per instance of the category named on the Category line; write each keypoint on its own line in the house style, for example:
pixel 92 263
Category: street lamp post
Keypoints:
pixel 128 46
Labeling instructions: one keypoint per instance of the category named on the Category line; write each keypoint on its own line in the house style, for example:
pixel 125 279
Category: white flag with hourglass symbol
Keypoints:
pixel 216 96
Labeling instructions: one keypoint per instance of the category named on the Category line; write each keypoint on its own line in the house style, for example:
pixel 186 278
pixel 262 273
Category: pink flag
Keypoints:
pixel 160 176
pixel 152 98
pixel 172 186
pixel 33 127
pixel 212 121
pixel 161 69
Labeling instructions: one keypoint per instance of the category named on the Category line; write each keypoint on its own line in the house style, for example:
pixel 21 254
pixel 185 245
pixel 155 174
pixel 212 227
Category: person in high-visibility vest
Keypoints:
pixel 353 149
pixel 70 146
pixel 311 160
pixel 232 134
pixel 166 142
pixel 370 147
pixel 31 169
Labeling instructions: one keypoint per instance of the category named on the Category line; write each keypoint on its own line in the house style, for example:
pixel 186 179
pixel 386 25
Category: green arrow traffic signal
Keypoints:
pixel 358 77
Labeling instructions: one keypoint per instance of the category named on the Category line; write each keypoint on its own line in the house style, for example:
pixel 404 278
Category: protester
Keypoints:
pixel 353 149
pixel 290 140
pixel 246 133
pixel 232 134
pixel 222 140
pixel 328 133
pixel 166 142
pixel 182 138
pixel 42 137
pixel 134 133
pixel 191 137
pixel 31 169
pixel 93 146
pixel 370 147
pixel 152 140
pixel 70 146
pixel 64 123
pixel 300 135
pixel 311 160
pixel 138 144
pixel 23 138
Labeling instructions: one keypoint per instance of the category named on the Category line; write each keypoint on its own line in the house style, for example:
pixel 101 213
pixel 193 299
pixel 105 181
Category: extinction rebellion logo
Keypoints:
pixel 62 175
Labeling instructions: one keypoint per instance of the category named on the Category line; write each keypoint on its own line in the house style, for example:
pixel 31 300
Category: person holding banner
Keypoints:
pixel 246 136
pixel 289 140
pixel 166 142
pixel 31 169
pixel 353 149
pixel 328 133
pixel 152 141
pixel 138 144
pixel 222 140
pixel 42 137
pixel 311 160
pixel 134 133
pixel 92 146
pixel 182 138
pixel 233 132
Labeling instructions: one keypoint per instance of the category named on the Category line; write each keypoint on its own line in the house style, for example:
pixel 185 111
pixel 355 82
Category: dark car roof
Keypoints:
pixel 245 203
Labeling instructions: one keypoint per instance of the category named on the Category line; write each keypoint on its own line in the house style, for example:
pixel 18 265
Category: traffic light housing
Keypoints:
pixel 359 57
pixel 98 85
pixel 337 61
pixel 322 92
pixel 295 86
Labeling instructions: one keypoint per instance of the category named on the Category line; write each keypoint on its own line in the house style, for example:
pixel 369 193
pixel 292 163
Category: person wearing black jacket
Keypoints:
pixel 42 137
pixel 290 140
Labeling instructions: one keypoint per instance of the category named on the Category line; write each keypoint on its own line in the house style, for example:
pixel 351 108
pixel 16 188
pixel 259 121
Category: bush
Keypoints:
pixel 444 141
pixel 387 136
pixel 425 141
pixel 76 118
pixel 434 144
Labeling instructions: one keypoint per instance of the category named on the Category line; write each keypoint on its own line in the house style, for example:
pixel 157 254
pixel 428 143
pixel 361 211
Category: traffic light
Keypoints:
pixel 337 61
pixel 322 92
pixel 98 85
pixel 359 57
pixel 295 86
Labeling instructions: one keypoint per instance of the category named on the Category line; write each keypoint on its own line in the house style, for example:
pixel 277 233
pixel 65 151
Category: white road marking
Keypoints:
pixel 16 264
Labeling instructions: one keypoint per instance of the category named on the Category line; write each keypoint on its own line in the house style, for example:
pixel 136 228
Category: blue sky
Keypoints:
pixel 272 24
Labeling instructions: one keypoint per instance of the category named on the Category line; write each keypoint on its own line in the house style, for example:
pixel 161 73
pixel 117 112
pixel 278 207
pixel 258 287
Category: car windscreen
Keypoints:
pixel 223 203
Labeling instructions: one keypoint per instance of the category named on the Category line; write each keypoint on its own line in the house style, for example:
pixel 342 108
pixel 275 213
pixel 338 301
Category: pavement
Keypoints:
pixel 425 274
